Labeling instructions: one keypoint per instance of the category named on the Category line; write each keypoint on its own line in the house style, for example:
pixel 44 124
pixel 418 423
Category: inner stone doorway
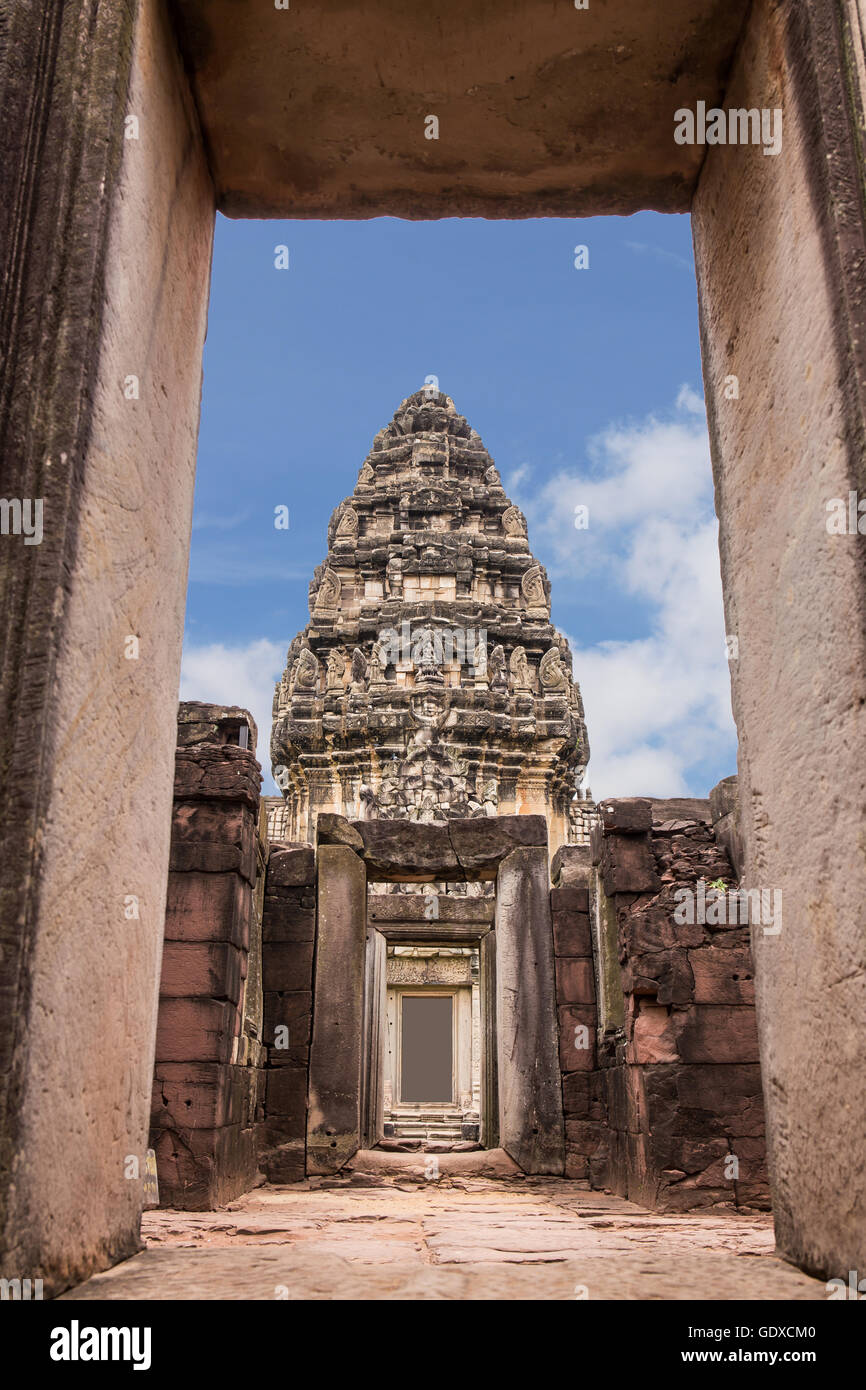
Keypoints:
pixel 511 926
pixel 432 1044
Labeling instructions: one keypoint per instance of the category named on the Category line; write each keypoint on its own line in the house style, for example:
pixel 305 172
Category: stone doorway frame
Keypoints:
pixel 521 1081
pixel 90 213
pixel 449 992
pixel 482 937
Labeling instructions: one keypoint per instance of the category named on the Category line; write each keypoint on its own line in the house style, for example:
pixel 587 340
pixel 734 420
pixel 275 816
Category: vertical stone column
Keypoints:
pixel 585 1132
pixel 530 1093
pixel 107 244
pixel 780 245
pixel 288 936
pixel 207 1072
pixel 477 1046
pixel 334 1119
pixel 375 1005
pixel 489 1064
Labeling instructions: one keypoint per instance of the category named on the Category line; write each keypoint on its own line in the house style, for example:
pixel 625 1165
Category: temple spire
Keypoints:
pixel 429 682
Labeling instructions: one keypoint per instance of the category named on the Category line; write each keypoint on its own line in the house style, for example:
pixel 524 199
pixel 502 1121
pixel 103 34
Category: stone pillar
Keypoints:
pixel 585 1132
pixel 780 244
pixel 489 1067
pixel 288 933
pixel 530 1092
pixel 207 1074
pixel 373 1069
pixel 107 243
pixel 334 1120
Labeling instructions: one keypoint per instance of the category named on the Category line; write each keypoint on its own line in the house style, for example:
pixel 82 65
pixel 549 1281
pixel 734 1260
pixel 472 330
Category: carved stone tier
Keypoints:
pixel 429 682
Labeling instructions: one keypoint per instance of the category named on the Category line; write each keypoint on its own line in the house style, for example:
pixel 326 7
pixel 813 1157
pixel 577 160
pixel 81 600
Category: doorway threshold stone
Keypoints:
pixel 483 1163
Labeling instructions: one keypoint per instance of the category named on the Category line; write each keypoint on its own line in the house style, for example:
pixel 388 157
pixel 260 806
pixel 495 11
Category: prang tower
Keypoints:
pixel 429 682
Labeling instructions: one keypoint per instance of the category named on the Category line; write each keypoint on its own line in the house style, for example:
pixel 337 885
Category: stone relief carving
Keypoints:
pixel 336 668
pixel 496 669
pixel 328 595
pixel 359 670
pixel 551 672
pixel 532 587
pixel 518 670
pixel 347 527
pixel 435 971
pixel 376 670
pixel 306 671
pixel 430 783
pixel 479 661
pixel 514 522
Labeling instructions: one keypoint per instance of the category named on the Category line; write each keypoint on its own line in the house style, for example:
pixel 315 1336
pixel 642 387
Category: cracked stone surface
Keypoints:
pixel 456 1238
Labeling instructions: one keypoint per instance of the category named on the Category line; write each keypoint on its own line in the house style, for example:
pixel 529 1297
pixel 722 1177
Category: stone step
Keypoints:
pixel 452 1117
pixel 426 1124
pixel 426 1120
pixel 427 1129
pixel 432 1138
pixel 419 1131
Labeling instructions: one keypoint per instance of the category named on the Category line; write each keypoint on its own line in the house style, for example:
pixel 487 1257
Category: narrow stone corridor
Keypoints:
pixel 374 1236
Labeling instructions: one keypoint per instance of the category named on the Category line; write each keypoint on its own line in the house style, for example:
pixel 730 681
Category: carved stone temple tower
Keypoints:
pixel 429 683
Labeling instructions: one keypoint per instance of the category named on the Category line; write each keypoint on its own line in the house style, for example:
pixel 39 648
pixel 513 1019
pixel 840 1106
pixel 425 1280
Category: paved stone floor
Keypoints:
pixel 458 1238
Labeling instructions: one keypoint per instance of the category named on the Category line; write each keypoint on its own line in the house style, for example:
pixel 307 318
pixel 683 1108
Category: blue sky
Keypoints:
pixel 585 386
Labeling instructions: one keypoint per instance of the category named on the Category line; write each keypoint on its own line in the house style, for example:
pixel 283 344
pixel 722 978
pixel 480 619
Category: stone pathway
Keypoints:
pixel 459 1238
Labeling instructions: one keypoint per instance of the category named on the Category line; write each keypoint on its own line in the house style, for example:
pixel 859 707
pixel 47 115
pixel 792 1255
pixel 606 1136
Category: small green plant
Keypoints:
pixel 720 884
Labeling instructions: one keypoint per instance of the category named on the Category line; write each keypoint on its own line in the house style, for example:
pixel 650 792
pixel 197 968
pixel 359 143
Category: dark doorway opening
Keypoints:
pixel 427 1051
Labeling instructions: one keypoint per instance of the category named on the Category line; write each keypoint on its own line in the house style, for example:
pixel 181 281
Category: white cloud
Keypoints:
pixel 241 675
pixel 642 248
pixel 519 475
pixel 658 705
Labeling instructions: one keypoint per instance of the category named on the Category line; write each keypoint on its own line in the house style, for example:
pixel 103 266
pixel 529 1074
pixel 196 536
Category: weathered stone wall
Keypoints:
pixel 288 938
pixel 106 258
pixel 780 247
pixel 207 1078
pixel 678 1063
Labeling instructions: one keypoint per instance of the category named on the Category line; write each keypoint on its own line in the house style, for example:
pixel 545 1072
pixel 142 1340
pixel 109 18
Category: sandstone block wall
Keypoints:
pixel 208 1081
pixel 678 1072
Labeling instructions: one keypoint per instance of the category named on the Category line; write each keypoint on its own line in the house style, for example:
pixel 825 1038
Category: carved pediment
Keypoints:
pixel 347 527
pixel 551 672
pixel 514 522
pixel 328 595
pixel 532 588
